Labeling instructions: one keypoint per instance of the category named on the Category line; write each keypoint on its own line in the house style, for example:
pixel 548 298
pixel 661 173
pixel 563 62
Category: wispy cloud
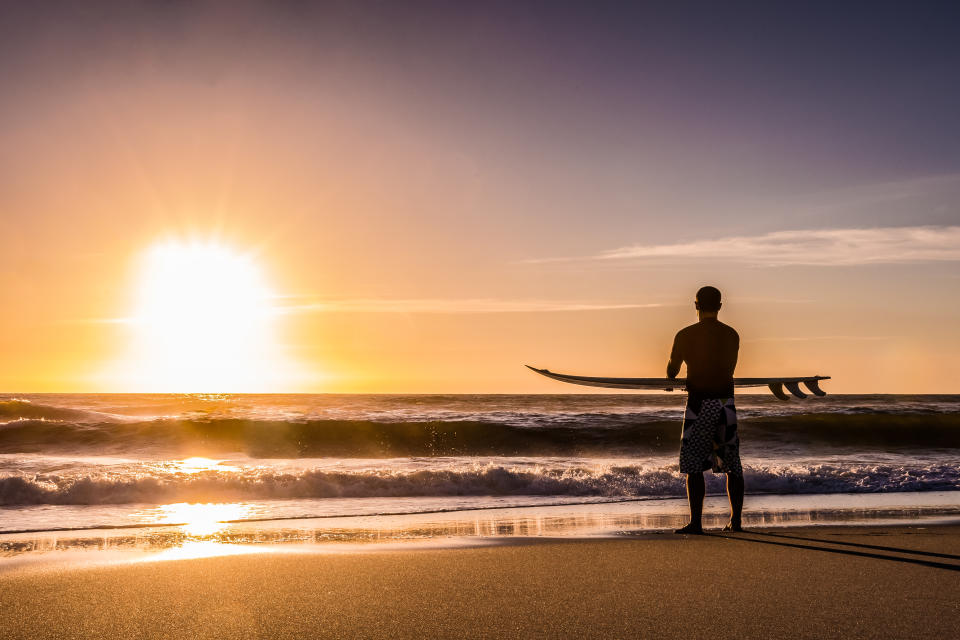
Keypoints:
pixel 827 247
pixel 898 193
pixel 415 305
pixel 820 338
pixel 440 305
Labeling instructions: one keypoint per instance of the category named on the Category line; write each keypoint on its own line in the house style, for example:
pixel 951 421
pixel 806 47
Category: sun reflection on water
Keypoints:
pixel 198 464
pixel 201 519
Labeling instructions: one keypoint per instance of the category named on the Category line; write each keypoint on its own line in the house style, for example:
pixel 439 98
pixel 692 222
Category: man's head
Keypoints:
pixel 708 301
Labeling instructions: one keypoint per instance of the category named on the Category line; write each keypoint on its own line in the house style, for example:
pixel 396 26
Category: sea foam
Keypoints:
pixel 467 480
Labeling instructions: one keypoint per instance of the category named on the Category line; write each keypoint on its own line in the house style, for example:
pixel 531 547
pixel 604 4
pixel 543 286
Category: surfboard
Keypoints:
pixel 775 385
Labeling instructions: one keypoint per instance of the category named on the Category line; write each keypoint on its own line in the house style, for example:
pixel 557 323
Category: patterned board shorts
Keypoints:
pixel 710 439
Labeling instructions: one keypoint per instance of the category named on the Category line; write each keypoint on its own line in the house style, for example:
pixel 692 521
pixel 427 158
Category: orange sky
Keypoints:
pixel 431 212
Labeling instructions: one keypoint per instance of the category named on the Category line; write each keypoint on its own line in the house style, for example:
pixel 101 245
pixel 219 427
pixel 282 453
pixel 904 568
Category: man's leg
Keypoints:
pixel 696 490
pixel 735 493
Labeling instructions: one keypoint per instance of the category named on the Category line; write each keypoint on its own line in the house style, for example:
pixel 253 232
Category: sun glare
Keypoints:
pixel 200 520
pixel 198 464
pixel 204 322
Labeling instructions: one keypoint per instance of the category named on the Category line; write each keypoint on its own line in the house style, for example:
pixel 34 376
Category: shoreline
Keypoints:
pixel 803 582
pixel 201 524
pixel 762 508
pixel 49 551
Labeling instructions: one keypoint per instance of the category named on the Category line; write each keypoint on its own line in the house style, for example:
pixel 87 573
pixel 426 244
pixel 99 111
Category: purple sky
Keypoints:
pixel 434 182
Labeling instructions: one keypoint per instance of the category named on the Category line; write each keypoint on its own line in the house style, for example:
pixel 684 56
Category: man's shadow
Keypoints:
pixel 781 542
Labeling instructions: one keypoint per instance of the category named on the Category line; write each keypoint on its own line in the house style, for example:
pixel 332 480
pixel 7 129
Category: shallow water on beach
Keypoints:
pixel 327 466
pixel 207 537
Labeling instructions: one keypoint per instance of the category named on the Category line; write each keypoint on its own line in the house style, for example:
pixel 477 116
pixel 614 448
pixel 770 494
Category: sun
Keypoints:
pixel 204 322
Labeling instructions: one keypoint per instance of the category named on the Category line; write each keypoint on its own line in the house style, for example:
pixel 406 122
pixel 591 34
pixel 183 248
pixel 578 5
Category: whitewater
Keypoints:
pixel 80 461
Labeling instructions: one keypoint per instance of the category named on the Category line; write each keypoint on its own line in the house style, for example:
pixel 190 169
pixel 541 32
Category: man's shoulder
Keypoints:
pixel 729 329
pixel 687 330
pixel 708 329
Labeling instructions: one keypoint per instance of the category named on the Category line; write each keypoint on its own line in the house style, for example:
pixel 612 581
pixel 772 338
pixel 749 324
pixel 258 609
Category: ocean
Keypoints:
pixel 431 463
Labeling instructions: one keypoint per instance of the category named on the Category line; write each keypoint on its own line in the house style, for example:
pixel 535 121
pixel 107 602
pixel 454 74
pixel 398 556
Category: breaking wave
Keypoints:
pixel 476 480
pixel 49 430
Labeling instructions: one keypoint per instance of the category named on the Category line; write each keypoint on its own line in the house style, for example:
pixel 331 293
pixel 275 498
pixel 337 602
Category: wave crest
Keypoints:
pixel 476 480
pixel 576 434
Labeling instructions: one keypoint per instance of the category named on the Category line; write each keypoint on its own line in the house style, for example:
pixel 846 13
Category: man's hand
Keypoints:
pixel 673 377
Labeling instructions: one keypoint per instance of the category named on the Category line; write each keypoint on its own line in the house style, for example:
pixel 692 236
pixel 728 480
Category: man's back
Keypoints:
pixel 709 437
pixel 710 350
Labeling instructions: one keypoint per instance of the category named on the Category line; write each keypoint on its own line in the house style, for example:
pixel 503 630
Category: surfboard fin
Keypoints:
pixel 814 386
pixel 776 388
pixel 794 388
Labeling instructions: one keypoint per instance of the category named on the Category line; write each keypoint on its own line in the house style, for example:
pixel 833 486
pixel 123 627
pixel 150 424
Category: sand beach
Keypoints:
pixel 815 582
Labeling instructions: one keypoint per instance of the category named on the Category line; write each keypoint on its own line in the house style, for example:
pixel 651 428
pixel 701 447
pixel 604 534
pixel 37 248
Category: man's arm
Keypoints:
pixel 736 353
pixel 676 359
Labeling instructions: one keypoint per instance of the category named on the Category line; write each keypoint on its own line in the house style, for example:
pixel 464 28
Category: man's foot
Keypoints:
pixel 735 528
pixel 691 528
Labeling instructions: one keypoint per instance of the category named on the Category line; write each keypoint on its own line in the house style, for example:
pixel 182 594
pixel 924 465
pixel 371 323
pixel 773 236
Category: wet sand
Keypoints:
pixel 851 582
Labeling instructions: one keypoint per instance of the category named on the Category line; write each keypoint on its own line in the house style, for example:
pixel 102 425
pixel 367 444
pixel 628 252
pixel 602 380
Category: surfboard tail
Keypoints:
pixel 776 388
pixel 814 386
pixel 794 388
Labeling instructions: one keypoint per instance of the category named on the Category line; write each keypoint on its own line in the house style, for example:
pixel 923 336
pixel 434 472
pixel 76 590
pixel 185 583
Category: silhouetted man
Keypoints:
pixel 709 439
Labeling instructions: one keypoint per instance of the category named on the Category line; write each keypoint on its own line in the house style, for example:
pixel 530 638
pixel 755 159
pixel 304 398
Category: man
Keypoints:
pixel 709 439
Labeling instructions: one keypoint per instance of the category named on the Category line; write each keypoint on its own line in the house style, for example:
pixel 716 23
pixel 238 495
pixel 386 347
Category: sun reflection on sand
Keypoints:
pixel 205 549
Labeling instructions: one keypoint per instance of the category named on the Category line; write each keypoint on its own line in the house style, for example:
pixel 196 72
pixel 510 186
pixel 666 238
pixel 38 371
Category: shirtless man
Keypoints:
pixel 709 439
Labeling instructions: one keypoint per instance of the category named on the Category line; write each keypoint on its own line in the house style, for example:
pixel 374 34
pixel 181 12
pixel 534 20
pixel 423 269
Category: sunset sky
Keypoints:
pixel 423 197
